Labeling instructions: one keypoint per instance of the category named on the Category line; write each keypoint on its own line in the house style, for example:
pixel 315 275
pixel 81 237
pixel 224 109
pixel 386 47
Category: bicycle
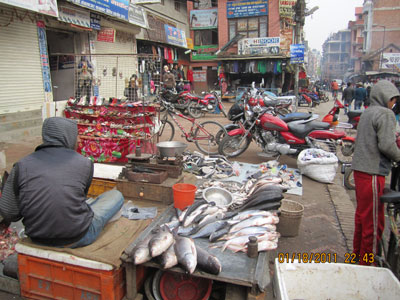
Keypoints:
pixel 205 135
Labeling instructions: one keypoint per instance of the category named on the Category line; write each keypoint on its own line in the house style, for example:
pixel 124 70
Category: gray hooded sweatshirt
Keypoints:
pixel 48 188
pixel 376 146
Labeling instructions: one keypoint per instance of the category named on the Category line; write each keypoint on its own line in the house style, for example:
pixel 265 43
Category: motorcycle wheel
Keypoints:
pixel 194 110
pixel 207 141
pixel 230 147
pixel 344 152
pixel 348 180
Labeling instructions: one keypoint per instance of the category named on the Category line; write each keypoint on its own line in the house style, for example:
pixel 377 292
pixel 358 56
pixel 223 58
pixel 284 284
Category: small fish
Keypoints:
pixel 208 229
pixel 168 258
pixel 251 213
pixel 247 232
pixel 160 242
pixel 190 218
pixel 186 231
pixel 208 262
pixel 219 215
pixel 186 253
pixel 181 213
pixel 218 234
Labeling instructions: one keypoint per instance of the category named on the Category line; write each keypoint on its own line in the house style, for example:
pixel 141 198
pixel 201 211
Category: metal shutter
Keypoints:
pixel 21 84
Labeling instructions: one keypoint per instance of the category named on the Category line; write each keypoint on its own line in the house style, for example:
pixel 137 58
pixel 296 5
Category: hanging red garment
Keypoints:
pixel 190 75
pixel 302 75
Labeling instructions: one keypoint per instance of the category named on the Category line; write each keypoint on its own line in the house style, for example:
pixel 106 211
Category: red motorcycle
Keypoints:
pixel 208 103
pixel 332 117
pixel 178 100
pixel 277 137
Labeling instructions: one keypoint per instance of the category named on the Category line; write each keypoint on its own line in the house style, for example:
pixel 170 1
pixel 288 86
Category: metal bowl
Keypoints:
pixel 220 196
pixel 171 148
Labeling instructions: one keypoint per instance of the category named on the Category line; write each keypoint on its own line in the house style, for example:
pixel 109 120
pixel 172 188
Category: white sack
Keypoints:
pixel 318 164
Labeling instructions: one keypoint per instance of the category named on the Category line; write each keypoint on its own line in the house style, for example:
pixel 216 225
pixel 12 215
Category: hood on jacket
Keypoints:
pixel 382 92
pixel 59 132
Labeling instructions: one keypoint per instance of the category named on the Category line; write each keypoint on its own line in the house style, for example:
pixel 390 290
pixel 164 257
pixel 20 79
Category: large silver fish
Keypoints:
pixel 160 242
pixel 211 218
pixel 141 253
pixel 189 218
pixel 208 262
pixel 168 258
pixel 218 234
pixel 186 253
pixel 192 208
pixel 255 221
pixel 208 229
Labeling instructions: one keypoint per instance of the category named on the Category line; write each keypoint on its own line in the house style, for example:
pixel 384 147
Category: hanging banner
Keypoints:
pixel 286 8
pixel 44 61
pixel 268 45
pixel 200 76
pixel 115 8
pixel 175 36
pixel 46 7
pixel 145 1
pixel 204 19
pixel 137 16
pixel 391 61
pixel 297 53
pixel 74 16
pixel 246 8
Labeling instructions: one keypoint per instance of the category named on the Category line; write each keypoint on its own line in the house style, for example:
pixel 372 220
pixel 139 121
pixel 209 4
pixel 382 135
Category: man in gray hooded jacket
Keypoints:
pixel 375 148
pixel 48 190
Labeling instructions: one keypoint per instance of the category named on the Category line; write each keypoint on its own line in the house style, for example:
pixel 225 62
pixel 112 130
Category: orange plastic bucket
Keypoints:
pixel 183 194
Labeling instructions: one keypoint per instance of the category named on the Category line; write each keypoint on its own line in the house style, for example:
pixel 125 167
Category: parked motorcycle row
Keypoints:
pixel 271 122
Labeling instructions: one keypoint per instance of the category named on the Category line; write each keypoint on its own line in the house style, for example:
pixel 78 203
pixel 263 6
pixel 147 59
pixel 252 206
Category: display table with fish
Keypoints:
pixel 237 268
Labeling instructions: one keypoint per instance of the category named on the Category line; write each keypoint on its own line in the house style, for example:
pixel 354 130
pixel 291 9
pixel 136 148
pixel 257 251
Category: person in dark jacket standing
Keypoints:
pixel 48 191
pixel 360 95
pixel 374 150
pixel 347 97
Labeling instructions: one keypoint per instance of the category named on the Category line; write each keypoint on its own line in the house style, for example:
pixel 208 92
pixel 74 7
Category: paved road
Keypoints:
pixel 327 223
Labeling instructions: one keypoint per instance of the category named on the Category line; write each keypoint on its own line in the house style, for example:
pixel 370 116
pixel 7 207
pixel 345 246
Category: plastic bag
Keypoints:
pixel 132 212
pixel 318 164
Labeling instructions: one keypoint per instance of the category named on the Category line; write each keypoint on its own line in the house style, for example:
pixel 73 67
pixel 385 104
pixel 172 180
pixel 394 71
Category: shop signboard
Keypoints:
pixel 74 16
pixel 95 21
pixel 246 8
pixel 286 8
pixel 267 45
pixel 44 61
pixel 137 16
pixel 46 7
pixel 204 18
pixel 200 76
pixel 204 52
pixel 391 61
pixel 145 1
pixel 189 42
pixel 297 53
pixel 175 36
pixel 106 35
pixel 115 8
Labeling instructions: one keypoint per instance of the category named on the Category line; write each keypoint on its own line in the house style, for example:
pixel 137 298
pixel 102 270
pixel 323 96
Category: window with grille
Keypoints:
pixel 177 5
pixel 205 37
pixel 249 27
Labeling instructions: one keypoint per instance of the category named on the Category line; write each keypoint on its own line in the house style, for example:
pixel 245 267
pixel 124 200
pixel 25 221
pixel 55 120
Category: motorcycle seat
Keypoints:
pixel 354 113
pixel 302 130
pixel 295 116
pixel 270 102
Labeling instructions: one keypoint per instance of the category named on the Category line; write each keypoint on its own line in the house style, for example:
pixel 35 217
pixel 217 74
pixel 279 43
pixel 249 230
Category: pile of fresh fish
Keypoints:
pixel 171 250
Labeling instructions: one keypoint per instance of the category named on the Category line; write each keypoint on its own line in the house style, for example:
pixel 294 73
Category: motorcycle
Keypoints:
pixel 178 100
pixel 277 137
pixel 208 103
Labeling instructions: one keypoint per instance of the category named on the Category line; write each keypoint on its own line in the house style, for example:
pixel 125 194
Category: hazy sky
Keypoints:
pixel 332 16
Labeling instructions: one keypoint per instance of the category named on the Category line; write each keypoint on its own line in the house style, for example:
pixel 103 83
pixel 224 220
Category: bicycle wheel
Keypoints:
pixel 230 146
pixel 195 110
pixel 166 131
pixel 206 136
pixel 349 179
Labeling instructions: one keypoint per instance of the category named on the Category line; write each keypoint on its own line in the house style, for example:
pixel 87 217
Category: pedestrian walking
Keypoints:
pixel 347 97
pixel 360 95
pixel 375 148
pixel 335 89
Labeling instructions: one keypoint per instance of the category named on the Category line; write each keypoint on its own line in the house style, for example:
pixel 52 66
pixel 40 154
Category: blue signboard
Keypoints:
pixel 175 36
pixel 44 58
pixel 297 53
pixel 246 8
pixel 115 8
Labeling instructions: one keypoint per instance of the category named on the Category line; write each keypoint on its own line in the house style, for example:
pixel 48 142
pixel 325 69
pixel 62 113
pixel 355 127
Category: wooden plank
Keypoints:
pixel 10 285
pixel 131 289
pixel 261 276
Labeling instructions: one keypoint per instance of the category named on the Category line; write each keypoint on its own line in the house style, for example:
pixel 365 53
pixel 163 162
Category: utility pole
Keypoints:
pixel 299 9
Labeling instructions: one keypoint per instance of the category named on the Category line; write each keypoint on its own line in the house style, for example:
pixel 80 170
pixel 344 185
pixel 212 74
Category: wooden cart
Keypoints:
pixel 238 270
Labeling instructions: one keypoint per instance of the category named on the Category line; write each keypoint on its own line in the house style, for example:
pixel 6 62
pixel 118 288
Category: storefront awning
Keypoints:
pixel 248 57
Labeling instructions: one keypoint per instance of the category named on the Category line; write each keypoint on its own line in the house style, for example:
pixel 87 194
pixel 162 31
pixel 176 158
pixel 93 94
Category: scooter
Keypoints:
pixel 277 137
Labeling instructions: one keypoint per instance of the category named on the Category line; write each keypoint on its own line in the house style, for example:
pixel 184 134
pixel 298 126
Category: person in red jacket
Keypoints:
pixel 335 88
pixel 190 77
